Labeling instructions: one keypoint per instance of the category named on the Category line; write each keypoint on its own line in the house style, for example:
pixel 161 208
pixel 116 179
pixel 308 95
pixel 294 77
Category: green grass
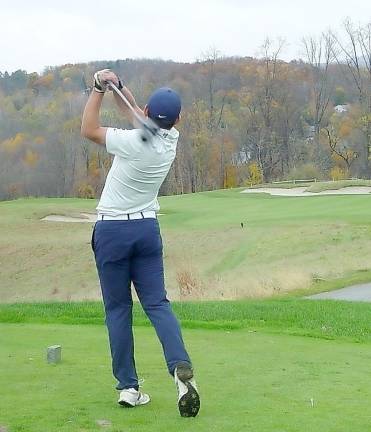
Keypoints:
pixel 248 381
pixel 336 185
pixel 287 243
pixel 255 368
pixel 318 186
pixel 320 319
pixel 282 185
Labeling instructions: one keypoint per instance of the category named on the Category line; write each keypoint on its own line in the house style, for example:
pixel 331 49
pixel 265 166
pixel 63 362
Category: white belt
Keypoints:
pixel 131 216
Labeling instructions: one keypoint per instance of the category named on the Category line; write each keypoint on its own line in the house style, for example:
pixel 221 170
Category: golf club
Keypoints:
pixel 148 127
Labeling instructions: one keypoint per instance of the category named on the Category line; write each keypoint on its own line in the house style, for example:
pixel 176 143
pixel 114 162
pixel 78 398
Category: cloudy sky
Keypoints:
pixel 38 33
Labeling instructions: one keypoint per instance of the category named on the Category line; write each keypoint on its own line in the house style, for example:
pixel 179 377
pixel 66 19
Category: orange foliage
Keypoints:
pixel 94 169
pixel 345 129
pixel 15 190
pixel 45 80
pixel 39 140
pixel 31 158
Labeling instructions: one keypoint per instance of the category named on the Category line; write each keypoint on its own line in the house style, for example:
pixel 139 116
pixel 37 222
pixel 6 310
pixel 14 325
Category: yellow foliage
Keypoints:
pixel 85 190
pixel 94 168
pixel 230 176
pixel 46 80
pixel 72 125
pixel 11 145
pixel 39 140
pixel 31 158
pixel 53 108
pixel 255 174
pixel 338 173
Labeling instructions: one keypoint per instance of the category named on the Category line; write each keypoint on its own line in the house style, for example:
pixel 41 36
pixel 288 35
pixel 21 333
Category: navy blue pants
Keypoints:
pixel 125 252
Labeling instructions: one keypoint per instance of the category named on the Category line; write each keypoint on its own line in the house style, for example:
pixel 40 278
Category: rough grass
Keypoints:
pixel 269 383
pixel 318 186
pixel 283 185
pixel 336 185
pixel 285 244
pixel 321 319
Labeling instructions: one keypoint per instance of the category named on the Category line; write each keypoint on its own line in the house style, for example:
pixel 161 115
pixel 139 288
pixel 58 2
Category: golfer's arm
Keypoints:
pixel 90 125
pixel 123 108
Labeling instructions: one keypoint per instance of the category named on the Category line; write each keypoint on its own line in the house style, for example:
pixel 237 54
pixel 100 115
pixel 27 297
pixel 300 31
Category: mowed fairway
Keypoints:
pixel 285 244
pixel 249 381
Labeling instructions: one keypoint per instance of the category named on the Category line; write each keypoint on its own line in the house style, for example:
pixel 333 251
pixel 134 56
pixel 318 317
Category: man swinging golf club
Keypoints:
pixel 126 239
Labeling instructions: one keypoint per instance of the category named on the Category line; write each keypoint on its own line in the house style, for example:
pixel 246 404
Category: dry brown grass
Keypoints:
pixel 53 261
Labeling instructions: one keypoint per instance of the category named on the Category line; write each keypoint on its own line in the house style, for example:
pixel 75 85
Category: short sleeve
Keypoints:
pixel 122 142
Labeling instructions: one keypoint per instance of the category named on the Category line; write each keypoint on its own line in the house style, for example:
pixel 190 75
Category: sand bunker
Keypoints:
pixel 300 191
pixel 82 217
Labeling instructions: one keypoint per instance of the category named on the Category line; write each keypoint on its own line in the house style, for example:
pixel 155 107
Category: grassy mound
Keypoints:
pixel 284 244
pixel 318 186
pixel 336 185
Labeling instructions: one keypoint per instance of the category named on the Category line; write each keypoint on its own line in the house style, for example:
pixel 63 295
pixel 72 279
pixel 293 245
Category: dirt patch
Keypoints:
pixel 104 423
pixel 301 191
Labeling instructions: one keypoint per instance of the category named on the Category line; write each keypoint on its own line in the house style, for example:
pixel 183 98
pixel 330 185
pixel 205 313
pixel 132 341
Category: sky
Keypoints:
pixel 38 33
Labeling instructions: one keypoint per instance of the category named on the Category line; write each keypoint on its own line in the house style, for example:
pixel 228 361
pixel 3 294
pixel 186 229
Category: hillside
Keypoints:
pixel 285 244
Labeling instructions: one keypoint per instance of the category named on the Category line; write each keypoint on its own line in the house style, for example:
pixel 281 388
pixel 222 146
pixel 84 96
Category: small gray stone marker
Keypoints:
pixel 54 354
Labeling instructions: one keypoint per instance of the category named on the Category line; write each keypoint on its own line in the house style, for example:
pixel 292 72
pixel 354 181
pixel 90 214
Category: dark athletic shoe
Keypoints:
pixel 188 397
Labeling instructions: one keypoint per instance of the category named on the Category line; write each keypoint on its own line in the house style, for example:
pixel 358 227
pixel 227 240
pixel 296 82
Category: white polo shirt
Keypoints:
pixel 138 170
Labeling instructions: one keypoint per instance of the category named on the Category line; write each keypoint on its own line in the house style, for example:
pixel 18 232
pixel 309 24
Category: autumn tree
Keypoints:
pixel 320 53
pixel 354 58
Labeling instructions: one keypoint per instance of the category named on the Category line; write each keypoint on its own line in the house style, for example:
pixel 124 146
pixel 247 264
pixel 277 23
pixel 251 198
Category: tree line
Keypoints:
pixel 244 120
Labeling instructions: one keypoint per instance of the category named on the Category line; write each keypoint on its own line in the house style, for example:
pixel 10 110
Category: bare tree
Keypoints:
pixel 262 108
pixel 339 148
pixel 354 55
pixel 320 53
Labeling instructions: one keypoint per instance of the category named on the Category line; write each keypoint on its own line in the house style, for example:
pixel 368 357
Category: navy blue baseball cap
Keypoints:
pixel 164 106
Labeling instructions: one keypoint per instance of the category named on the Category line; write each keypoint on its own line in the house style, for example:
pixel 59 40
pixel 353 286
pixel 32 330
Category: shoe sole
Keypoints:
pixel 129 405
pixel 189 404
pixel 126 404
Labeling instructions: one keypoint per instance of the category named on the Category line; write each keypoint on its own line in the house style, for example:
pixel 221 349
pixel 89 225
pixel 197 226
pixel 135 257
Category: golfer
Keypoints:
pixel 126 239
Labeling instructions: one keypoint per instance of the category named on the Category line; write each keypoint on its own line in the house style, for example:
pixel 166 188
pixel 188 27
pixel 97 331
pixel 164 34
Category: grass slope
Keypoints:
pixel 286 243
pixel 336 185
pixel 318 186
pixel 248 381
pixel 320 319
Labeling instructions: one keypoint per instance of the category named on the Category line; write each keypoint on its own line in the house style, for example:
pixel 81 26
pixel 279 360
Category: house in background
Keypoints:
pixel 341 108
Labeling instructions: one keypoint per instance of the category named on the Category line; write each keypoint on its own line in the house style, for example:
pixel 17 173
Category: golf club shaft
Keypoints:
pixel 127 103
